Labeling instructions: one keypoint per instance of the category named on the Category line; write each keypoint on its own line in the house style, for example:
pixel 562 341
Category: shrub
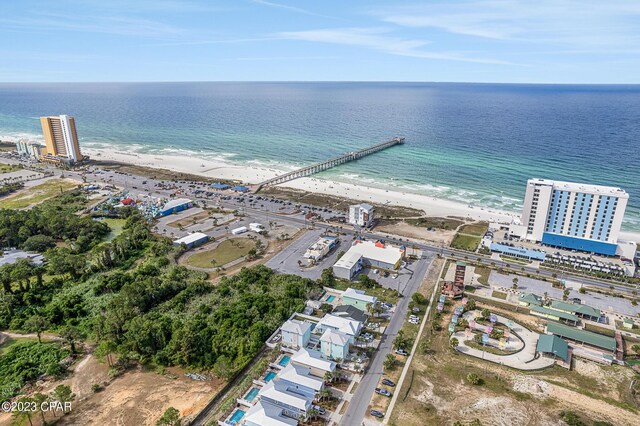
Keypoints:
pixel 474 379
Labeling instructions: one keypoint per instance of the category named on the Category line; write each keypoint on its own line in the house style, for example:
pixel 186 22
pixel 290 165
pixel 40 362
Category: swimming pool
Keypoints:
pixel 330 298
pixel 236 417
pixel 270 375
pixel 251 395
pixel 284 360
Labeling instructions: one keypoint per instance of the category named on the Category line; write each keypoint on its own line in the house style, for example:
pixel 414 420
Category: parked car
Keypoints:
pixel 416 310
pixel 402 352
pixel 388 382
pixel 383 392
pixel 319 409
pixel 376 413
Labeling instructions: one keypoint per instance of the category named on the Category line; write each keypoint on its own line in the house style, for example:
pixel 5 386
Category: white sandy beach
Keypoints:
pixel 251 174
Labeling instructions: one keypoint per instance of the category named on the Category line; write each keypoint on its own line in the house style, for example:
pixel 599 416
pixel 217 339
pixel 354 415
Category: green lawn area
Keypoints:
pixel 385 295
pixel 227 251
pixel 8 168
pixel 599 330
pixel 477 229
pixel 38 193
pixel 489 349
pixel 499 295
pixel 484 272
pixel 465 242
pixel 116 226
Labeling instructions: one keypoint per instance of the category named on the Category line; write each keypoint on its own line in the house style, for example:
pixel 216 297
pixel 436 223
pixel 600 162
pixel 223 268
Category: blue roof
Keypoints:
pixel 508 250
pixel 219 185
pixel 241 188
pixel 581 244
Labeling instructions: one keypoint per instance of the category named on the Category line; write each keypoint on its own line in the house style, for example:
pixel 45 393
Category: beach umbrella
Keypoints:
pixel 489 329
pixel 457 310
pixel 442 298
pixel 493 318
pixel 454 319
pixel 440 306
pixel 452 328
pixel 472 323
pixel 485 338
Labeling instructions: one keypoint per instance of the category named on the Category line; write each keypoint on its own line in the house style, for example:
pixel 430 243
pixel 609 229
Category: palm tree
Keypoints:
pixel 328 377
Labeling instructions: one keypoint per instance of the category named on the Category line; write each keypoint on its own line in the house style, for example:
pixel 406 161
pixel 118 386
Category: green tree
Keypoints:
pixel 418 299
pixel 21 415
pixel 389 362
pixel 171 417
pixel 71 335
pixel 63 394
pixel 486 313
pixel 515 283
pixel 40 399
pixel 400 342
pixel 327 278
pixel 36 324
pixel 454 342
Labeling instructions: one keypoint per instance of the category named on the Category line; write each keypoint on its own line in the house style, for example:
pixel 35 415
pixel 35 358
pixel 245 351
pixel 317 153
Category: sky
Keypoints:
pixel 504 41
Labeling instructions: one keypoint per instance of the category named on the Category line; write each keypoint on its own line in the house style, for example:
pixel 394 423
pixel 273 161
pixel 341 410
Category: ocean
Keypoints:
pixel 473 143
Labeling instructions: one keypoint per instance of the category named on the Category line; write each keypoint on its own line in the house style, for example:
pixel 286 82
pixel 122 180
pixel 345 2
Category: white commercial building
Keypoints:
pixel 192 240
pixel 320 248
pixel 368 253
pixel 361 214
pixel 574 216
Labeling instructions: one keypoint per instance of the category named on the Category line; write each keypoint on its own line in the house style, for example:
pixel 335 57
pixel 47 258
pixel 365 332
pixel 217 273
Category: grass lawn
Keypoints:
pixel 227 251
pixel 189 220
pixel 116 226
pixel 499 295
pixel 38 193
pixel 599 330
pixel 8 168
pixel 465 242
pixel 477 229
pixel 488 349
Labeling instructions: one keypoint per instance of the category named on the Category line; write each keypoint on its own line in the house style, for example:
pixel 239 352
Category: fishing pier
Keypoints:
pixel 327 164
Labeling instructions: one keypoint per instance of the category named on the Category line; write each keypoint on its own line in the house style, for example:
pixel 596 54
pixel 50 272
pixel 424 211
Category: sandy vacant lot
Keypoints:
pixel 136 398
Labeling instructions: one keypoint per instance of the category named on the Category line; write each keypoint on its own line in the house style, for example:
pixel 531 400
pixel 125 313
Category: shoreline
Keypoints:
pixel 432 207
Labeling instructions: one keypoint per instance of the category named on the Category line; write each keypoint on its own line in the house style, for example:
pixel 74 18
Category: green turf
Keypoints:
pixel 227 251
pixel 465 242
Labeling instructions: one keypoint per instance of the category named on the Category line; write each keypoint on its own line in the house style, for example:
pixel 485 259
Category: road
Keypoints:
pixel 359 404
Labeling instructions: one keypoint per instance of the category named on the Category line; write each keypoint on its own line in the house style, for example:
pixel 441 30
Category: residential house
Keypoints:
pixel 265 414
pixel 294 403
pixel 345 325
pixel 349 312
pixel 295 333
pixel 317 365
pixel 300 378
pixel 335 344
pixel 358 299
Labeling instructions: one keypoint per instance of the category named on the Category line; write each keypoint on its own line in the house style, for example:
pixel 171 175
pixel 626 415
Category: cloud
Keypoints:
pixel 290 8
pixel 574 23
pixel 378 39
pixel 114 25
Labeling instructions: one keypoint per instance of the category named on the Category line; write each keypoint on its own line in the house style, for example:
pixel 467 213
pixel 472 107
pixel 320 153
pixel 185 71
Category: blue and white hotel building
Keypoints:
pixel 574 216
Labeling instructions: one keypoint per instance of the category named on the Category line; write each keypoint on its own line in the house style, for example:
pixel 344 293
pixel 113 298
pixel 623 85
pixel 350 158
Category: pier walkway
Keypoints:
pixel 327 164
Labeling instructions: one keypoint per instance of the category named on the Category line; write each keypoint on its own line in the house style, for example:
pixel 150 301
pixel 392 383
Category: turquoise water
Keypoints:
pixel 284 360
pixel 252 394
pixel 270 375
pixel 331 298
pixel 236 417
pixel 472 143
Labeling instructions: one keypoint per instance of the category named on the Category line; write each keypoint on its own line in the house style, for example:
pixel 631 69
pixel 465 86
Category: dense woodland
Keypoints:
pixel 129 298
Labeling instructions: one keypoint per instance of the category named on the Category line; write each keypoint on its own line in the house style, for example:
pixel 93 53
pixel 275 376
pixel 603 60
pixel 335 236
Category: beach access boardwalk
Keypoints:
pixel 327 164
pixel 524 359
